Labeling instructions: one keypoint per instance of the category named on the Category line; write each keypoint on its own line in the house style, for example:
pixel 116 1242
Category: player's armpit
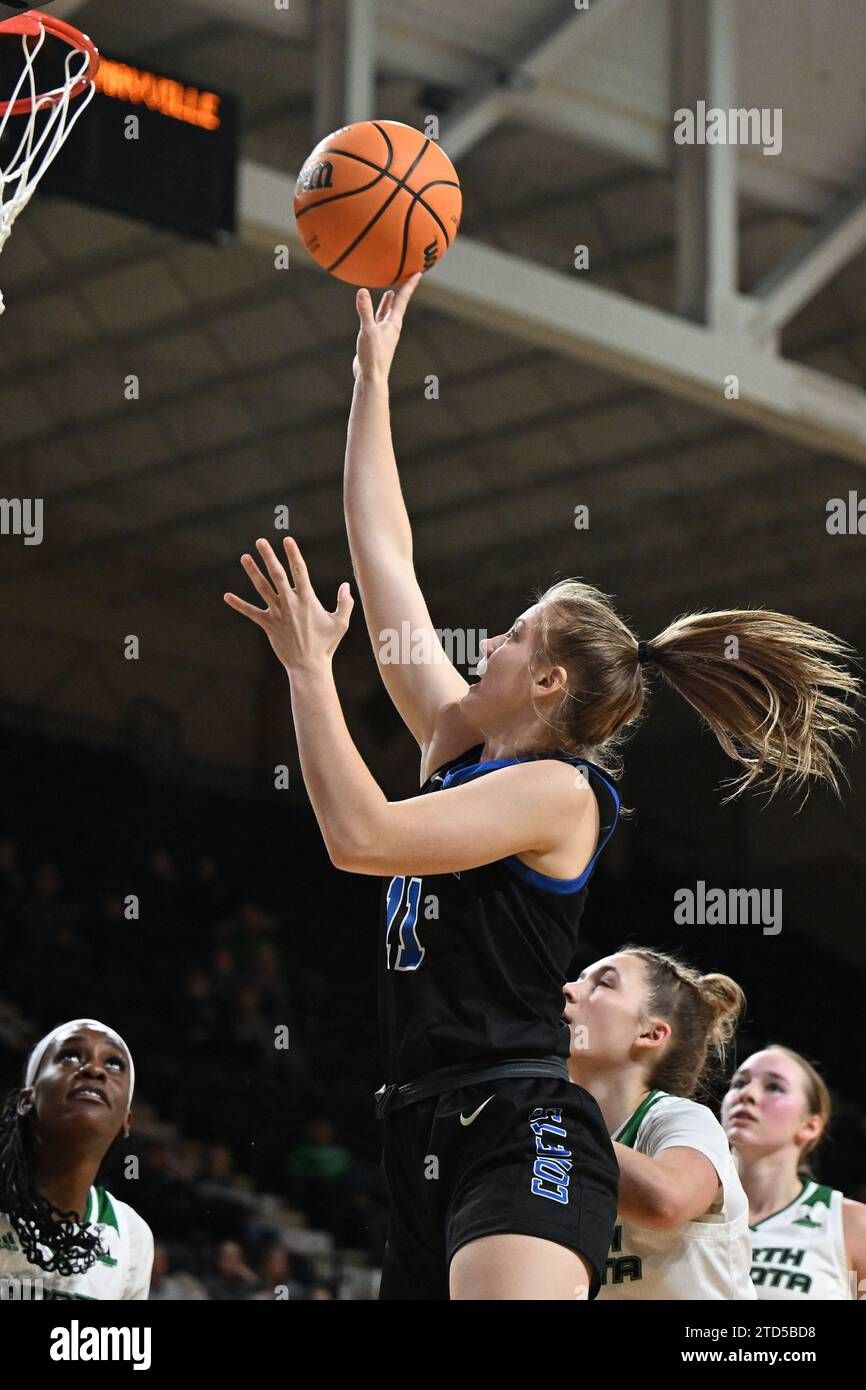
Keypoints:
pixel 533 806
pixel 664 1192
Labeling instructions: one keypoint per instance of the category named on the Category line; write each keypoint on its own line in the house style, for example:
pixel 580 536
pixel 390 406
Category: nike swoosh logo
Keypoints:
pixel 468 1120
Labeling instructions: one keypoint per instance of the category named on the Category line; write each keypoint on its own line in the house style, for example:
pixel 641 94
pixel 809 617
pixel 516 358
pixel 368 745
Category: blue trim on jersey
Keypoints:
pixel 531 876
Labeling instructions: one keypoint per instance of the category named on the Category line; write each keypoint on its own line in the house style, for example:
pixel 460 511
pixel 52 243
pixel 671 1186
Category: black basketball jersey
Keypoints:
pixel 474 962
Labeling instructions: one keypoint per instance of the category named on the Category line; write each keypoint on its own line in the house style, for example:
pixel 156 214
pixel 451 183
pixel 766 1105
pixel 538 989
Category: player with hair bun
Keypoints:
pixel 647 1033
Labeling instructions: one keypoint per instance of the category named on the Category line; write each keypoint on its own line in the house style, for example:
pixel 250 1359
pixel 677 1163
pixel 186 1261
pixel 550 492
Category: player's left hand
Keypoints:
pixel 302 633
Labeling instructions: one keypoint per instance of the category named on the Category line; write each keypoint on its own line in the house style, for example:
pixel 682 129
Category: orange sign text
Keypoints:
pixel 160 94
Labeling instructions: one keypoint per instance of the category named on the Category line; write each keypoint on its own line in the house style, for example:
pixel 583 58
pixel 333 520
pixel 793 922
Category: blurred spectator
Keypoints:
pixel 252 1036
pixel 12 885
pixel 177 1207
pixel 45 913
pixel 162 897
pixel 319 1156
pixel 168 1283
pixel 218 1166
pixel 204 1020
pixel 52 960
pixel 229 1205
pixel 246 931
pixel 317 1170
pixel 16 1034
pixel 232 1276
pixel 208 895
pixel 277 1275
pixel 266 974
pixel 224 979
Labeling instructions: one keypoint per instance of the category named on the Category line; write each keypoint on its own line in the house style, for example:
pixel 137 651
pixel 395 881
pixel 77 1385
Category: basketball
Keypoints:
pixel 377 201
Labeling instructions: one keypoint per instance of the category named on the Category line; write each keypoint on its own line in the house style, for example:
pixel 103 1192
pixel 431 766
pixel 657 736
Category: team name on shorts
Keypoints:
pixel 550 1171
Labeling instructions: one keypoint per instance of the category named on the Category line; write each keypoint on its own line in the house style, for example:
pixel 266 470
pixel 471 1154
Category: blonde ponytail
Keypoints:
pixel 771 688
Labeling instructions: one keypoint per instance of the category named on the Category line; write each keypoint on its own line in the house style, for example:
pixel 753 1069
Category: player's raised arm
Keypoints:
pixel 380 535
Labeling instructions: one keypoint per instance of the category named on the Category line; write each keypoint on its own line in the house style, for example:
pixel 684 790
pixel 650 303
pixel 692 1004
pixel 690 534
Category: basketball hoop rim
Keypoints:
pixel 32 22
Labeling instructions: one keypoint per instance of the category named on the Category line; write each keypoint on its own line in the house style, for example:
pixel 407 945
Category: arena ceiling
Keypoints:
pixel 558 388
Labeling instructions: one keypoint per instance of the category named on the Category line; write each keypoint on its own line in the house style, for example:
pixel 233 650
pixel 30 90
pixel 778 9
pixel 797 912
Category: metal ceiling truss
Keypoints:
pixel 738 335
pixel 735 334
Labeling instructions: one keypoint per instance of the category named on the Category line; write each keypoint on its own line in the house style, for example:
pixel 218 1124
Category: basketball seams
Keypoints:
pixel 384 208
pixel 399 180
pixel 382 171
pixel 364 230
pixel 406 221
pixel 449 183
pixel 351 193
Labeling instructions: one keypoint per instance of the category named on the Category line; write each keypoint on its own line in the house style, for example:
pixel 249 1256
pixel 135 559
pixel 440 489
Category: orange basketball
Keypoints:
pixel 376 201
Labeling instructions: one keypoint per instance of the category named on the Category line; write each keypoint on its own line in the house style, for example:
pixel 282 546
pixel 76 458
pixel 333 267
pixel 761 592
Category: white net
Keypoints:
pixel 39 133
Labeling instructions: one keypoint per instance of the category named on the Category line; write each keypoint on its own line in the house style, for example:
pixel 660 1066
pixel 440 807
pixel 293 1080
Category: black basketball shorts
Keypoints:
pixel 527 1156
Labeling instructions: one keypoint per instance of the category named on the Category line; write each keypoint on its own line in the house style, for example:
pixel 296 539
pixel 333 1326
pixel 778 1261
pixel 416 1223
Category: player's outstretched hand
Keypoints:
pixel 303 634
pixel 380 332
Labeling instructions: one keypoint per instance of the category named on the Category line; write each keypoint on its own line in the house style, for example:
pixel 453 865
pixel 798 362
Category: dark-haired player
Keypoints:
pixel 62 1237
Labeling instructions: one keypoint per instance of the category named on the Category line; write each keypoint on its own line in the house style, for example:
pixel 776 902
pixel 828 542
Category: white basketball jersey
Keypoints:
pixel 123 1272
pixel 799 1252
pixel 704 1259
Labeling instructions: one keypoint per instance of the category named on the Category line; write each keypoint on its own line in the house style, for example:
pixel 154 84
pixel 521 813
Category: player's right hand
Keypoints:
pixel 379 334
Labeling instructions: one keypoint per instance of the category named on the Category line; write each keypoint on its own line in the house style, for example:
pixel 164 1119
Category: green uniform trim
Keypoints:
pixel 105 1213
pixel 627 1132
pixel 784 1208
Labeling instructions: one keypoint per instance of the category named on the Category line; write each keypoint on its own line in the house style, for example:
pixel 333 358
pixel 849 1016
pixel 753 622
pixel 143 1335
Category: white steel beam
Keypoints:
pixel 468 123
pixel 840 235
pixel 607 126
pixel 703 67
pixel 508 295
pixel 689 162
pixel 484 108
pixel 360 60
pixel 345 37
pixel 722 240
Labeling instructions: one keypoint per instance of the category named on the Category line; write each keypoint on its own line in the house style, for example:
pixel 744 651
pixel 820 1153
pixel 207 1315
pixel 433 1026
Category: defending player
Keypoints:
pixel 646 1031
pixel 61 1237
pixel 485 880
pixel 808 1240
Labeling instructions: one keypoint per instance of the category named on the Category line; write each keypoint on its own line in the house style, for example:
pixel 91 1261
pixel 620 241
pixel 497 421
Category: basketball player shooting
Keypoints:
pixel 502 1176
